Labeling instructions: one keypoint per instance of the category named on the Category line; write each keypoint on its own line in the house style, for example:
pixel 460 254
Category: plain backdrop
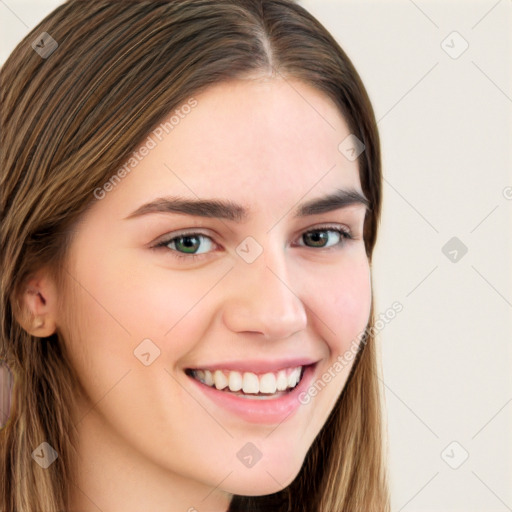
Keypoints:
pixel 439 77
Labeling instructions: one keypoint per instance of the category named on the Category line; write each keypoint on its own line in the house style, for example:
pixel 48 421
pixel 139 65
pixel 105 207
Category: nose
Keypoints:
pixel 263 301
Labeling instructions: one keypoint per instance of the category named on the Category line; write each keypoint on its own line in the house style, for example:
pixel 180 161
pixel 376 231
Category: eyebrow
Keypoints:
pixel 221 209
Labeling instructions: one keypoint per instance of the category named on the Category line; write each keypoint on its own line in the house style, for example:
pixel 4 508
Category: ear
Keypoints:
pixel 38 305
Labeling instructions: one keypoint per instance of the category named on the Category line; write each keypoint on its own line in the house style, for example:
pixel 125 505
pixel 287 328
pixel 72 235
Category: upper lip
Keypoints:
pixel 257 365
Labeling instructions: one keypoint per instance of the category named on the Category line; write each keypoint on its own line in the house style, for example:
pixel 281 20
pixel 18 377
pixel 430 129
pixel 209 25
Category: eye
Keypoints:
pixel 319 237
pixel 188 245
pixel 186 242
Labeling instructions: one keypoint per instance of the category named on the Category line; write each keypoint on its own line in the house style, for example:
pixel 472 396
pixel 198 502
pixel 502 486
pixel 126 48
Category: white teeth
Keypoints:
pixel 268 383
pixel 208 378
pixel 235 381
pixel 220 379
pixel 250 383
pixel 294 377
pixel 282 380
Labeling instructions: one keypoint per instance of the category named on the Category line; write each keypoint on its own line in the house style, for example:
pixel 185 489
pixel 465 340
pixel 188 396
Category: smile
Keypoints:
pixel 250 384
pixel 265 392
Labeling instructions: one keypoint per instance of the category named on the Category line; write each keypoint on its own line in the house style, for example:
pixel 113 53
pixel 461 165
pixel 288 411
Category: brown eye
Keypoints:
pixel 321 237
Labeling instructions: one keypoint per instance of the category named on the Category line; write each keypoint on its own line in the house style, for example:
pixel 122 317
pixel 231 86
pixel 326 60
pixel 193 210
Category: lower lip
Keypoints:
pixel 270 411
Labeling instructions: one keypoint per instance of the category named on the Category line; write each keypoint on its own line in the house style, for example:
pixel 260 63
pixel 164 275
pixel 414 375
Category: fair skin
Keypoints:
pixel 150 438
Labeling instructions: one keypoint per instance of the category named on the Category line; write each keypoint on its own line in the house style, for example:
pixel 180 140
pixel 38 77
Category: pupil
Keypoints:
pixel 319 236
pixel 189 246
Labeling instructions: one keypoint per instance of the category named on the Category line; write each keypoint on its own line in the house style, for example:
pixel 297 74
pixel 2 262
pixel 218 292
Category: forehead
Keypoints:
pixel 263 141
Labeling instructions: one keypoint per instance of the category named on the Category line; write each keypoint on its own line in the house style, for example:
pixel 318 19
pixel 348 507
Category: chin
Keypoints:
pixel 261 481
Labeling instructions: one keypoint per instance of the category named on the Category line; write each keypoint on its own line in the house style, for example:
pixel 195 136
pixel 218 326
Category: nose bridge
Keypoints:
pixel 264 300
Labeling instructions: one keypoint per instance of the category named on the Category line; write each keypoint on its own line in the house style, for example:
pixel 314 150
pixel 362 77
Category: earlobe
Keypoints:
pixel 37 314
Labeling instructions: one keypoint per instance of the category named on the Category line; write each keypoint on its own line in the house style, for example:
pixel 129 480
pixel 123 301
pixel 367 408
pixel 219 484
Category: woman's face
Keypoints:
pixel 263 300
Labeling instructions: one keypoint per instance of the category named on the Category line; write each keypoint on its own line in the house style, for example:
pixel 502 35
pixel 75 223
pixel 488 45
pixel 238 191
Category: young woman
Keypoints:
pixel 190 196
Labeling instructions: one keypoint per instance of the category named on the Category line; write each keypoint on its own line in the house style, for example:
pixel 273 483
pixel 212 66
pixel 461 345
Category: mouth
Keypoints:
pixel 251 385
pixel 256 391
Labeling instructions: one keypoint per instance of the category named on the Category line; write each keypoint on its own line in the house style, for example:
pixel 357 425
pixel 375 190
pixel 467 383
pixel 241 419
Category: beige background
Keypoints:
pixel 446 123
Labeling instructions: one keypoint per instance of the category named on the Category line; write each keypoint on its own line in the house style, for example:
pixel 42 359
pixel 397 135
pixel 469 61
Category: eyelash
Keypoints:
pixel 345 236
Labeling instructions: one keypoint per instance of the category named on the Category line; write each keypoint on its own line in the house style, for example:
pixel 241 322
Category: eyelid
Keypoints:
pixel 169 237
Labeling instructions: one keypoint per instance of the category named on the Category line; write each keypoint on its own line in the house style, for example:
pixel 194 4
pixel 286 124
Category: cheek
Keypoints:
pixel 352 299
pixel 343 302
pixel 171 307
pixel 140 301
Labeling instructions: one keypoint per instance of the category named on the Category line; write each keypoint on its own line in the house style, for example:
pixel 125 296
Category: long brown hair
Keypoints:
pixel 68 120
